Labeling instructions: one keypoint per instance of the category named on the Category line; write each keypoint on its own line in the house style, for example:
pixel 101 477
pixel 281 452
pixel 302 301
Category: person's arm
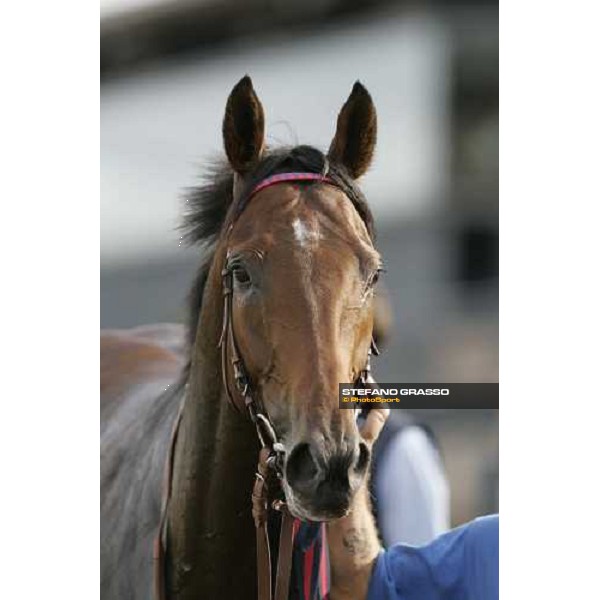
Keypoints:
pixel 462 563
pixel 353 541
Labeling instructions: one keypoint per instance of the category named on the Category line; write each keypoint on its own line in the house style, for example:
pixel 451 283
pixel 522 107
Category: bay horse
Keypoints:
pixel 288 240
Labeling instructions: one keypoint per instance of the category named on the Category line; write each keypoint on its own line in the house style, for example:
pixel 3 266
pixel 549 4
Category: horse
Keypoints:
pixel 295 260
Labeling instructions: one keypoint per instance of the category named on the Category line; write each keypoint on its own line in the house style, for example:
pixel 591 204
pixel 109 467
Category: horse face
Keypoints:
pixel 304 269
pixel 303 318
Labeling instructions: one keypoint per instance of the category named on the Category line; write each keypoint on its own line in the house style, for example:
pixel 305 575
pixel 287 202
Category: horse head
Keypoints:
pixel 303 270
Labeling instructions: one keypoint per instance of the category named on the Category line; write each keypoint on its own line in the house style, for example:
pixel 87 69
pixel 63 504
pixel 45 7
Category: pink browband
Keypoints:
pixel 285 177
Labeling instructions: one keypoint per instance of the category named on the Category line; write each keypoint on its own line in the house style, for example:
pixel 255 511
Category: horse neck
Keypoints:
pixel 211 547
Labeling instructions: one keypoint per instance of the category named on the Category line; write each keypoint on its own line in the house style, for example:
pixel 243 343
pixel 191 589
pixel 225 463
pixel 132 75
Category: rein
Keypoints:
pixel 266 490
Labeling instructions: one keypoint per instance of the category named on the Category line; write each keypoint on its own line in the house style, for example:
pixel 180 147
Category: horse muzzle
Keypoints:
pixel 319 485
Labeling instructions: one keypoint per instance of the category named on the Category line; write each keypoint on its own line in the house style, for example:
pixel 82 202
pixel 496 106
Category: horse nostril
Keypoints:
pixel 301 469
pixel 364 455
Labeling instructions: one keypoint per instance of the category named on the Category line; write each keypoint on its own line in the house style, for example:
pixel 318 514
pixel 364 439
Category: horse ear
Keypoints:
pixel 243 127
pixel 354 142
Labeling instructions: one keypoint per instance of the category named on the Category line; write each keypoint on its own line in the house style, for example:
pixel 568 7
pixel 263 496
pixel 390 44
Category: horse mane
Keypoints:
pixel 208 206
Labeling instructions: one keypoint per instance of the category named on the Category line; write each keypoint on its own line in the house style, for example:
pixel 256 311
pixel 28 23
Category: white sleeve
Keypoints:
pixel 413 497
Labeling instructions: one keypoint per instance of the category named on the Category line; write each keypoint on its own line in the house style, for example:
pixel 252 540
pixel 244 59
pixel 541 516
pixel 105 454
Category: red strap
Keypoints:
pixel 286 177
pixel 323 567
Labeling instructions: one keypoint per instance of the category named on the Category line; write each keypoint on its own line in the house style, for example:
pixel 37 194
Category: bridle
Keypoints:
pixel 244 399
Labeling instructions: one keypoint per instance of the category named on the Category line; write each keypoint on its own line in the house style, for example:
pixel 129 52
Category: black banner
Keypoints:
pixel 419 395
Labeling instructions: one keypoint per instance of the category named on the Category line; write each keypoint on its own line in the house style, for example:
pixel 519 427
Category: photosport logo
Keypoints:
pixel 419 395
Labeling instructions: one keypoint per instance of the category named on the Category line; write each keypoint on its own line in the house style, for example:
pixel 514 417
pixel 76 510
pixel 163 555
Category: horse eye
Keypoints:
pixel 374 278
pixel 241 275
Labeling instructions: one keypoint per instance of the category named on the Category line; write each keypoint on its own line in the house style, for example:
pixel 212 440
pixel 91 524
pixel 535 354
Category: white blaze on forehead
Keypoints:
pixel 305 233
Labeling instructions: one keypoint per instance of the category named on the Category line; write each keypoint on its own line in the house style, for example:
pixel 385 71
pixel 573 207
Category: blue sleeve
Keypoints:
pixel 459 565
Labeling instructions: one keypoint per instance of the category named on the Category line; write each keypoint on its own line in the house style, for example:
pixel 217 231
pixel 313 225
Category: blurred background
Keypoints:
pixel 167 67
